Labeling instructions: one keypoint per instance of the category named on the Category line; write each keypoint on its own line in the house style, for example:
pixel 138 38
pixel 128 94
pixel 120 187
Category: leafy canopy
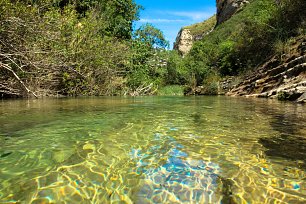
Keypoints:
pixel 152 36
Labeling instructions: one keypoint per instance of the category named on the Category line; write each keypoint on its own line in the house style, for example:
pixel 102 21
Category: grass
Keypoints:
pixel 203 27
pixel 171 90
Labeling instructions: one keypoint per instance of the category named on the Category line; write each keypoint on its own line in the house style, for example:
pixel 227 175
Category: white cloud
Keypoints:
pixel 193 15
pixel 160 20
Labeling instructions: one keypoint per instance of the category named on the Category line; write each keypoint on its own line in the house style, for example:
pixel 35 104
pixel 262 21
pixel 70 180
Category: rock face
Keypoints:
pixel 183 42
pixel 227 8
pixel 192 33
pixel 285 80
pixel 226 85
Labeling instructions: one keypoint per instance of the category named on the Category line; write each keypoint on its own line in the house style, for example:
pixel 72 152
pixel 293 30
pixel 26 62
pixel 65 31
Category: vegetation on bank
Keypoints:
pixel 171 90
pixel 89 47
pixel 86 47
pixel 261 30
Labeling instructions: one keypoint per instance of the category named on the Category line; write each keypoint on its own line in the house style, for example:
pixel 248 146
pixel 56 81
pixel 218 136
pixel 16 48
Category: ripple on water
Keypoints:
pixel 177 150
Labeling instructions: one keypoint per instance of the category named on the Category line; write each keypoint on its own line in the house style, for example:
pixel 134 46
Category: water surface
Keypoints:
pixel 152 150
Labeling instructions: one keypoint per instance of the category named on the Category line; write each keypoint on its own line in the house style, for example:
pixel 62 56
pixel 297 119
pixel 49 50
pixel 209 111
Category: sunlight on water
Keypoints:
pixel 152 150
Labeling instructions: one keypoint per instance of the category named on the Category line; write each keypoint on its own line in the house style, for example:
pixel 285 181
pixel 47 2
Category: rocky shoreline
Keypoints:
pixel 282 79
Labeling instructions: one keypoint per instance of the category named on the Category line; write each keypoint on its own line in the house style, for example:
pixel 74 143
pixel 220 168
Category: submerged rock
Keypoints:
pixel 290 140
pixel 180 180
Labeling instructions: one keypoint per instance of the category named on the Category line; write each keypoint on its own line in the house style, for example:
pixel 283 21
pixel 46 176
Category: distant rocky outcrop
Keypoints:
pixel 227 8
pixel 189 34
pixel 284 79
pixel 183 42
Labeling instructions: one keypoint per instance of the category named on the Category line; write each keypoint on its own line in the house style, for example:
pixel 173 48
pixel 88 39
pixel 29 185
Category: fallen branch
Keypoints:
pixel 7 56
pixel 141 90
pixel 17 77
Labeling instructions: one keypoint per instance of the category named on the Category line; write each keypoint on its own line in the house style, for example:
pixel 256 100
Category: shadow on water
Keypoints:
pixel 290 143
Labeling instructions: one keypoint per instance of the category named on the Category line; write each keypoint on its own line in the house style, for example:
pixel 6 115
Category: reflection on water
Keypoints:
pixel 290 143
pixel 152 150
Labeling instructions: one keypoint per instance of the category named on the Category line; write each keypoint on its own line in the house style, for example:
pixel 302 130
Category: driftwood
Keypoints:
pixel 143 90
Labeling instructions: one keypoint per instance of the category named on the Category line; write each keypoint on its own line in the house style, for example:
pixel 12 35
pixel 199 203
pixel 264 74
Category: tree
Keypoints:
pixel 119 16
pixel 152 36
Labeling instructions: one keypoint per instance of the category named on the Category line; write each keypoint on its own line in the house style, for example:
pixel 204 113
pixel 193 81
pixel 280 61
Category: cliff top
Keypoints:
pixel 199 29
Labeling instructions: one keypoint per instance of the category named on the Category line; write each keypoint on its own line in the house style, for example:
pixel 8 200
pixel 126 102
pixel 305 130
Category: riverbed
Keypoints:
pixel 152 150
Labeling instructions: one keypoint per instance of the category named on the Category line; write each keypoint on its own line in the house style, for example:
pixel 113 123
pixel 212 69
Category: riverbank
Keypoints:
pixel 256 49
pixel 282 76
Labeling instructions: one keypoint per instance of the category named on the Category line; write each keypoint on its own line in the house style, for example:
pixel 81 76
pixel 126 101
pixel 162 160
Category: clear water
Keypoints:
pixel 152 150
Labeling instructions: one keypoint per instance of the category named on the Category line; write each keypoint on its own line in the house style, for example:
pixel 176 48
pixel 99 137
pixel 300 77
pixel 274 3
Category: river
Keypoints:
pixel 152 150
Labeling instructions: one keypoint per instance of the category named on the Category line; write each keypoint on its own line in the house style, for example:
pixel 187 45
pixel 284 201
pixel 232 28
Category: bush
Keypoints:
pixel 176 71
pixel 65 47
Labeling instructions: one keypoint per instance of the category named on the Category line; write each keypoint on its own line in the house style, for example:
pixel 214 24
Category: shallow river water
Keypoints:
pixel 152 150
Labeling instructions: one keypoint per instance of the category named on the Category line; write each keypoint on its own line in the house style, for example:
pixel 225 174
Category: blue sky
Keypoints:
pixel 171 15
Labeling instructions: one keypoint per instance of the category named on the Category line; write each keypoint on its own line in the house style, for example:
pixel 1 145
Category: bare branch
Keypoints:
pixel 7 56
pixel 141 90
pixel 17 77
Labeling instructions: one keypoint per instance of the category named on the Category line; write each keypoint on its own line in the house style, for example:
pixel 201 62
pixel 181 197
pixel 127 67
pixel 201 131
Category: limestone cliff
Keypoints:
pixel 227 8
pixel 183 42
pixel 189 34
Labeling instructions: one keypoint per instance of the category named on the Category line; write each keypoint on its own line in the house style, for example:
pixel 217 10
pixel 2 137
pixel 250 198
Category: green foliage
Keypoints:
pixel 286 96
pixel 246 39
pixel 176 71
pixel 64 52
pixel 211 83
pixel 147 65
pixel 119 16
pixel 282 96
pixel 148 58
pixel 92 60
pixel 151 36
pixel 282 47
pixel 199 29
pixel 172 90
